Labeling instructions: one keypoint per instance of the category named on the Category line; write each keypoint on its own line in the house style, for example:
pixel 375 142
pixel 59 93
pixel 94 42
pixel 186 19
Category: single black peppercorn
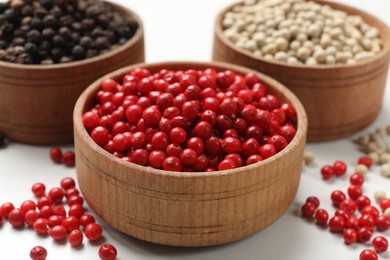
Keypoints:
pixel 78 52
pixel 37 23
pixel 27 10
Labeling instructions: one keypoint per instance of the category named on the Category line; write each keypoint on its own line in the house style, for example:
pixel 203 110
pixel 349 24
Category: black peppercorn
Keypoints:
pixel 50 21
pixel 37 23
pixel 48 33
pixel 31 48
pixel 86 42
pixel 27 10
pixel 34 36
pixel 78 52
pixel 65 32
pixel 48 4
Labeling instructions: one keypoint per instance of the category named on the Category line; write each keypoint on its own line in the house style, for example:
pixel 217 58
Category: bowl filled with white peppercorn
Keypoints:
pixel 50 51
pixel 333 57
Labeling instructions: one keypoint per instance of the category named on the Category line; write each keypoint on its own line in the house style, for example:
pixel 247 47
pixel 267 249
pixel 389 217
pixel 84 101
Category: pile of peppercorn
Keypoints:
pixel 59 31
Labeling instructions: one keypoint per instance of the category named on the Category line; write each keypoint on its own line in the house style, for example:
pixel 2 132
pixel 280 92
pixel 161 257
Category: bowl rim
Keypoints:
pixel 99 58
pixel 82 101
pixel 384 52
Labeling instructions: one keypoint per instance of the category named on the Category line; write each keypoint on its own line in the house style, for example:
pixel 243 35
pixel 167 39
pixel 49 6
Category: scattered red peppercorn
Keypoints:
pixel 16 217
pixel 327 172
pixel 339 168
pixel 380 244
pixel 93 231
pixel 308 209
pixel 368 254
pixel 321 216
pixel 107 252
pixel 350 236
pixel 38 253
pixel 56 154
pixel 58 232
pixel 68 158
pixel 75 238
pixel 337 224
pixel 38 189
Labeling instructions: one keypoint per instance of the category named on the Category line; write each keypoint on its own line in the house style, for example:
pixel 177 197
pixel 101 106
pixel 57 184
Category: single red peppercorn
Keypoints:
pixel 55 220
pixel 368 254
pixel 100 135
pixel 267 150
pixel 56 154
pixel 67 183
pixel 327 172
pixel 352 222
pixel 337 197
pixel 58 232
pixel 41 226
pixel 45 212
pixel 362 201
pixel 226 164
pixel 356 179
pixel 278 141
pixel 337 224
pixel 314 200
pixel 172 163
pixel 38 253
pixel 75 238
pixel 16 217
pixel 28 205
pixel 321 216
pixel 308 209
pixel 364 234
pixel 384 204
pixel 380 244
pixel 68 158
pixel 44 201
pixel 382 223
pixel 354 191
pixel 38 189
pixel 56 195
pixel 253 159
pixel 348 205
pixel 365 160
pixel 366 220
pixel 93 231
pixel 339 168
pixel 30 217
pixel 371 210
pixel 6 208
pixel 350 236
pixel 107 252
pixel 86 219
pixel 71 223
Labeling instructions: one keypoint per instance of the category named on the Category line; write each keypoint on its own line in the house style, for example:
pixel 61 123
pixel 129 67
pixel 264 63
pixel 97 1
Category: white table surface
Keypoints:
pixel 183 30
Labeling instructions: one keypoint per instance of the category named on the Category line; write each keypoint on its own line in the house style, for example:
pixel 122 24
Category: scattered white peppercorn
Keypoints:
pixel 317 34
pixel 361 169
pixel 384 158
pixel 385 170
pixel 387 212
pixel 308 158
pixel 379 195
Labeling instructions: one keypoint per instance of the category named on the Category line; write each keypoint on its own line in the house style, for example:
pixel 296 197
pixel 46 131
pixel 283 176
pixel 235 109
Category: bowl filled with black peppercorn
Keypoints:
pixel 50 51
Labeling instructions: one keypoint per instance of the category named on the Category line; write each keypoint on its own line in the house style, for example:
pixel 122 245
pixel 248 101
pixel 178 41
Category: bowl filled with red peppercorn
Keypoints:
pixel 189 154
pixel 334 57
pixel 50 51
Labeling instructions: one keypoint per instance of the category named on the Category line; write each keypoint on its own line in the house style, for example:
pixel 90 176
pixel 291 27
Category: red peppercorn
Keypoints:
pixel 59 211
pixel 56 154
pixel 384 203
pixel 337 197
pixel 38 189
pixel 352 222
pixel 68 158
pixel 382 223
pixel 172 163
pixel 86 219
pixel 349 206
pixel 56 194
pixel 45 212
pixel 368 254
pixel 356 179
pixel 314 200
pixel 362 201
pixel 278 141
pixel 366 220
pixel 38 253
pixel 93 231
pixel 354 191
pixel 337 224
pixel 308 209
pixel 380 244
pixel 253 159
pixel 107 252
pixel 364 234
pixel 267 150
pixel 67 183
pixel 75 238
pixel 339 168
pixel 231 145
pixel 100 135
pixel 226 164
pixel 327 172
pixel 321 216
pixel 71 223
pixel 30 217
pixel 58 233
pixel 41 226
pixel 350 236
pixel 55 220
pixel 188 156
pixel 28 205
pixel 16 217
pixel 371 210
pixel 44 201
pixel 344 214
pixel 6 208
pixel 365 160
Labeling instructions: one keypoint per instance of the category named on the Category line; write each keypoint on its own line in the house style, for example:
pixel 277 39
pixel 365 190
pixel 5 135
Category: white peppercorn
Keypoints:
pixel 374 157
pixel 384 158
pixel 379 195
pixel 281 56
pixel 308 158
pixel 387 212
pixel 361 169
pixel 303 53
pixel 385 170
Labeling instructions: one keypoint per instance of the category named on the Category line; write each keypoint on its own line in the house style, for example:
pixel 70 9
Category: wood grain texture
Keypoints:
pixel 339 99
pixel 188 209
pixel 37 101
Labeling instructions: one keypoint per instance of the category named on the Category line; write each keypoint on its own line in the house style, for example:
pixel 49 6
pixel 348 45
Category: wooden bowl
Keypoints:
pixel 187 209
pixel 37 101
pixel 339 99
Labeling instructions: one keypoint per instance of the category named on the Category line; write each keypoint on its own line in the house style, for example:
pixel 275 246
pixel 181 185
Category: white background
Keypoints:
pixel 183 30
